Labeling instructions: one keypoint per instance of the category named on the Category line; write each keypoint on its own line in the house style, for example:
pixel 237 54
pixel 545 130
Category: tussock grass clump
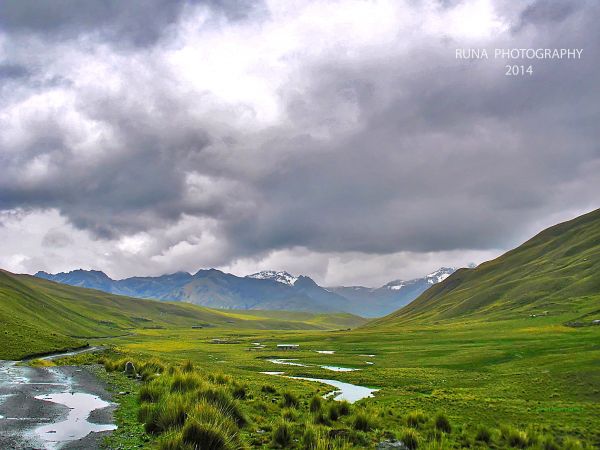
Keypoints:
pixel 514 438
pixel 220 378
pixel 410 438
pixel 151 392
pixel 315 438
pixel 268 389
pixel 344 408
pixel 222 399
pixel 548 443
pixel 483 434
pixel 442 423
pixel 415 419
pixel 338 409
pixel 320 418
pixel 315 404
pixel 282 434
pixel 310 438
pixel 186 382
pixel 173 441
pixel 149 369
pixel 289 415
pixel 362 421
pixel 289 400
pixel 570 443
pixel 334 412
pixel 187 367
pixel 170 412
pixel 239 391
pixel 210 427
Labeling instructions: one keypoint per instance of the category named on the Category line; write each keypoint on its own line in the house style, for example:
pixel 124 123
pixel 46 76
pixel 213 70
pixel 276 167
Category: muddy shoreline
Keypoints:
pixel 21 413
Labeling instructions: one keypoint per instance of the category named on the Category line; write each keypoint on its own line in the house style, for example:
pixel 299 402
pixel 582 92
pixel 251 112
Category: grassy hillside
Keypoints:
pixel 40 316
pixel 555 274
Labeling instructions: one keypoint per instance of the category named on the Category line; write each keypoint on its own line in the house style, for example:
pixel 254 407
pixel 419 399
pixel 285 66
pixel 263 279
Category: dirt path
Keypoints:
pixel 27 422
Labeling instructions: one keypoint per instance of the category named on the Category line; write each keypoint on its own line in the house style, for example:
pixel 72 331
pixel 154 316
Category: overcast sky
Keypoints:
pixel 338 139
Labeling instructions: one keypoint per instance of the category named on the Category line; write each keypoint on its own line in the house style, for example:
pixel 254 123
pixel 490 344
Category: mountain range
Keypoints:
pixel 266 290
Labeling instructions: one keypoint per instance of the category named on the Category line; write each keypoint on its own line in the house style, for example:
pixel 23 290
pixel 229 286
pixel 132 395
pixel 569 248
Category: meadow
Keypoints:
pixel 526 383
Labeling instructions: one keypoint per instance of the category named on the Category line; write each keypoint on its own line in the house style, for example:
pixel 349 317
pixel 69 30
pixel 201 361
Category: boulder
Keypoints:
pixel 129 368
pixel 391 444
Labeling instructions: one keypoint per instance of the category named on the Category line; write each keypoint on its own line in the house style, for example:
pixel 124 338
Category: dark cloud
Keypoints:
pixel 548 11
pixel 136 22
pixel 382 151
pixel 13 71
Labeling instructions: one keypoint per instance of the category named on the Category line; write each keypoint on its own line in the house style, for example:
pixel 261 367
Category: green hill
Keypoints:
pixel 38 316
pixel 554 274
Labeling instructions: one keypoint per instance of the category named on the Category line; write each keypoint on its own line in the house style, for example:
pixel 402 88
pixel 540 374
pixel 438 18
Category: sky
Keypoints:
pixel 337 139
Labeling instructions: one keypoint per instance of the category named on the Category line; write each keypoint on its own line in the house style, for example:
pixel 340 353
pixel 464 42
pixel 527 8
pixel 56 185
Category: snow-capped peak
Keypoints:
pixel 439 275
pixel 432 278
pixel 281 276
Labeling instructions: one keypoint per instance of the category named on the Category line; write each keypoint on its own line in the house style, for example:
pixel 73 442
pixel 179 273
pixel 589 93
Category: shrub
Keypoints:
pixel 268 389
pixel 483 434
pixel 414 419
pixel 290 400
pixel 362 422
pixel 442 423
pixel 315 404
pixel 410 438
pixel 282 435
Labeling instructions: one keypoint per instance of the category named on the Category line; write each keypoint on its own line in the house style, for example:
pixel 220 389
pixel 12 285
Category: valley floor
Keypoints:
pixel 523 373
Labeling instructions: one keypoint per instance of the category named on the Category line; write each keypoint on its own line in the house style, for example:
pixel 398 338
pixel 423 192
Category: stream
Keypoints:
pixel 344 391
pixel 63 407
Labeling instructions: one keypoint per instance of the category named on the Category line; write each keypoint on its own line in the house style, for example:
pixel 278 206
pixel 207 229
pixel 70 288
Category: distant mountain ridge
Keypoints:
pixel 266 290
pixel 394 294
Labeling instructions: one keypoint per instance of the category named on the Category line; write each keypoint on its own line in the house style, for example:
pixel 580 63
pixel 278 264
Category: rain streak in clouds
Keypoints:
pixel 339 139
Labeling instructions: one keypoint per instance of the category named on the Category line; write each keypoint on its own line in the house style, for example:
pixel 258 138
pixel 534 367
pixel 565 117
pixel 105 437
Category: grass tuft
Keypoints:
pixel 442 423
pixel 289 400
pixel 362 422
pixel 282 434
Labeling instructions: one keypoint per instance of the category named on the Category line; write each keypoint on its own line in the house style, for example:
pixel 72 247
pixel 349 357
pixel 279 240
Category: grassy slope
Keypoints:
pixel 40 316
pixel 555 272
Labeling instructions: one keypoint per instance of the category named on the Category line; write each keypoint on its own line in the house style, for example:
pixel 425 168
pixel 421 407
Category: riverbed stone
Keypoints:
pixel 129 368
pixel 391 444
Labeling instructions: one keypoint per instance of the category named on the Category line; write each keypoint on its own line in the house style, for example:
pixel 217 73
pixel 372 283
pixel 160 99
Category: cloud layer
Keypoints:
pixel 176 135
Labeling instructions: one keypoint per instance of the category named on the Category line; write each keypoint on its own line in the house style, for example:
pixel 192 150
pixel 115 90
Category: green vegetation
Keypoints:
pixel 39 316
pixel 552 274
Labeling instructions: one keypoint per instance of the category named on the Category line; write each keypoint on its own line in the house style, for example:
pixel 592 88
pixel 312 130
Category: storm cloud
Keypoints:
pixel 342 139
